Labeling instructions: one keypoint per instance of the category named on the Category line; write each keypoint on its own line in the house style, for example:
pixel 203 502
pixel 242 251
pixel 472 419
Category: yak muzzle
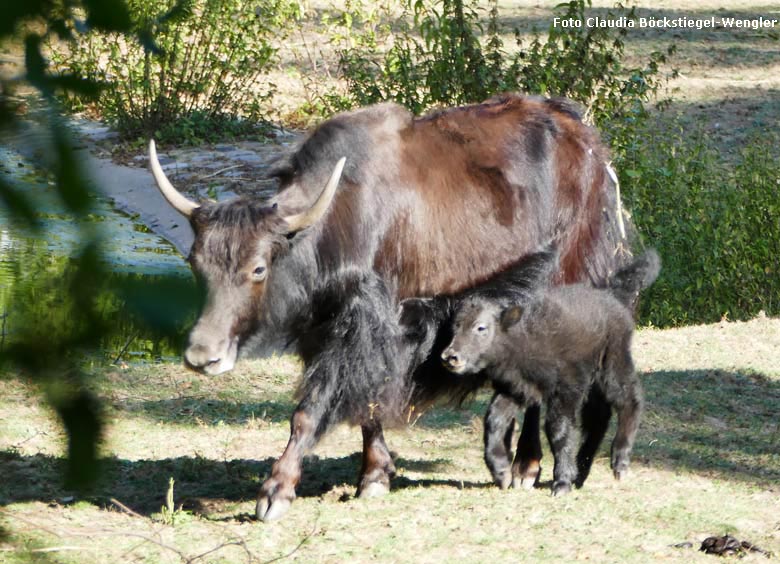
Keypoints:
pixel 212 360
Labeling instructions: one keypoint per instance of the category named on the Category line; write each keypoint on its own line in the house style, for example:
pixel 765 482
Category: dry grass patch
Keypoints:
pixel 705 463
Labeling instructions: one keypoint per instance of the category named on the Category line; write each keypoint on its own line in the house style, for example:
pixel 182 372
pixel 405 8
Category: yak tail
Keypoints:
pixel 639 274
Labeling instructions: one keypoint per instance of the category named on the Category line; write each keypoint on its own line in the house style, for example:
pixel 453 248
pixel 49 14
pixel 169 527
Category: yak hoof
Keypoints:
pixel 526 483
pixel 620 473
pixel 373 489
pixel 268 510
pixel 561 488
pixel 527 478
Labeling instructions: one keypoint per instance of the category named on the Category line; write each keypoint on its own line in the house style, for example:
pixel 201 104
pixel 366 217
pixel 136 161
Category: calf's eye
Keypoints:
pixel 481 329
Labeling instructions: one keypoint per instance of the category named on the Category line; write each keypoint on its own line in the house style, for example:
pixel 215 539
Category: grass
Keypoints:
pixel 706 463
pixel 706 460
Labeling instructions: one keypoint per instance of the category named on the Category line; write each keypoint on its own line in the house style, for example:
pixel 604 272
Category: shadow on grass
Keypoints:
pixel 196 410
pixel 712 422
pixel 201 485
pixel 200 410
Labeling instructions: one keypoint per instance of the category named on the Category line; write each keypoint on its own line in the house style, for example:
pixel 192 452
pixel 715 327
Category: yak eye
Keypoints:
pixel 481 328
pixel 259 273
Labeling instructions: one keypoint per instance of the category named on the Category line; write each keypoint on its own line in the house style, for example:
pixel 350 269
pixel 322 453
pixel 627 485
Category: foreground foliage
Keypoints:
pixel 49 349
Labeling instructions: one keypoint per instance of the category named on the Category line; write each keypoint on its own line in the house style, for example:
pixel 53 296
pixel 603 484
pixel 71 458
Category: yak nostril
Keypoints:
pixel 449 358
pixel 198 356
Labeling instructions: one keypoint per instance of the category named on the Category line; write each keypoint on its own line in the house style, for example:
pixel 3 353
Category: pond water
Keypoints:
pixel 34 266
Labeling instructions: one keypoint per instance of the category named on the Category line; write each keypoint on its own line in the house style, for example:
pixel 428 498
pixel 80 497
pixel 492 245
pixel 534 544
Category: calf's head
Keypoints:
pixel 476 326
pixel 232 256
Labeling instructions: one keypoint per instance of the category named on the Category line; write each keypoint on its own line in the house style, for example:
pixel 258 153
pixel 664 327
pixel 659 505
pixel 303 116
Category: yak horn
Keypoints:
pixel 181 204
pixel 317 210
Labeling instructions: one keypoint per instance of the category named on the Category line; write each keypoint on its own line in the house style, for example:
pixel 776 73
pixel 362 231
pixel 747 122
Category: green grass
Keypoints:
pixel 706 463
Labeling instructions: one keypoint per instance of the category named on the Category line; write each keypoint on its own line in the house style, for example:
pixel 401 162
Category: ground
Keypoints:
pixel 706 463
pixel 706 460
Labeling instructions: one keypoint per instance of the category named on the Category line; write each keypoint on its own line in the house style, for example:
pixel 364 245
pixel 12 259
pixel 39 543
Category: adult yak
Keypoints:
pixel 425 206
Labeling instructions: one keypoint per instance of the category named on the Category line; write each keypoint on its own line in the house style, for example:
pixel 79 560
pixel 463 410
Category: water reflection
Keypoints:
pixel 36 270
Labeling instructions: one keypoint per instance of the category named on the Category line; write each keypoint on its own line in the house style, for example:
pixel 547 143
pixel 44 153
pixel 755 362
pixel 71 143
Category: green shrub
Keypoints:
pixel 201 79
pixel 442 54
pixel 715 223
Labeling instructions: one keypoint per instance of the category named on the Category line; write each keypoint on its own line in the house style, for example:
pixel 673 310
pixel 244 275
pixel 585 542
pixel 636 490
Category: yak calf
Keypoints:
pixel 569 347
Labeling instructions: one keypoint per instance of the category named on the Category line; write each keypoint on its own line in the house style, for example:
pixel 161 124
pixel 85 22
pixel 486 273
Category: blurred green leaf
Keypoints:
pixel 85 88
pixel 35 63
pixel 17 204
pixel 108 15
pixel 14 11
pixel 79 411
pixel 164 303
pixel 72 184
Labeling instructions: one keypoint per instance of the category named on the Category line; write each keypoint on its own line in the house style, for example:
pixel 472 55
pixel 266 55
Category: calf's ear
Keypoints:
pixel 511 316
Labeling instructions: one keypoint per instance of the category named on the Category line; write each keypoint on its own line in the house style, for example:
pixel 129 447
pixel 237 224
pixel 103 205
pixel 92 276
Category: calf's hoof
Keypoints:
pixel 501 478
pixel 561 488
pixel 620 468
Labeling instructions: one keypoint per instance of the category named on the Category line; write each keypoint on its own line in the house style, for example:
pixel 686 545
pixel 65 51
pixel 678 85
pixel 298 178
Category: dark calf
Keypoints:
pixel 570 347
pixel 426 329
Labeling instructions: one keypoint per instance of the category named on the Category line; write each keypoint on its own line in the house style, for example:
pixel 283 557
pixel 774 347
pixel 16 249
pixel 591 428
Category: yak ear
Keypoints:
pixel 511 316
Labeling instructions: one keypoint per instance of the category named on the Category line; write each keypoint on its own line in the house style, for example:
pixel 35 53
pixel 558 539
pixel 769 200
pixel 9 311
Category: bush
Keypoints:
pixel 201 78
pixel 455 60
pixel 715 223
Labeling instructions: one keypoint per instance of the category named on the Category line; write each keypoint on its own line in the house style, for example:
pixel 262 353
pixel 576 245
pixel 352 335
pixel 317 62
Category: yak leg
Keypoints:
pixel 378 467
pixel 528 459
pixel 278 492
pixel 596 413
pixel 499 426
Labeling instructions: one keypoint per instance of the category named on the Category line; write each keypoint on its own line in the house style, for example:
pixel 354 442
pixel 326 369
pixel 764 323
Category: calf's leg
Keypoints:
pixel 629 413
pixel 560 427
pixel 624 392
pixel 596 413
pixel 498 430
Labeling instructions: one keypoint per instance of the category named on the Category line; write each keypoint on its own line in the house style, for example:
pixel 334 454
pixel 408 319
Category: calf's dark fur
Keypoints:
pixel 569 347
